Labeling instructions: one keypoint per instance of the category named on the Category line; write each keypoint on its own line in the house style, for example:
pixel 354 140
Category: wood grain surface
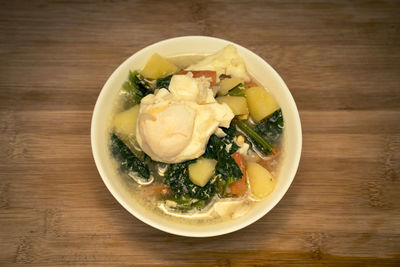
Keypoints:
pixel 341 61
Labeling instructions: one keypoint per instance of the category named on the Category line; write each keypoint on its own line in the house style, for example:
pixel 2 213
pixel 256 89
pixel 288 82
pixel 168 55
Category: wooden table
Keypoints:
pixel 341 62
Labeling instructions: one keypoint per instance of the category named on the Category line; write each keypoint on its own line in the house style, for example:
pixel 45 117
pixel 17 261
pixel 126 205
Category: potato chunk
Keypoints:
pixel 125 122
pixel 261 181
pixel 157 67
pixel 237 104
pixel 201 171
pixel 227 84
pixel 261 103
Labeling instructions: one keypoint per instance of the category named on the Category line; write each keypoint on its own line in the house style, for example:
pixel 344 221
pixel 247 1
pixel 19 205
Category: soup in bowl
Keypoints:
pixel 196 136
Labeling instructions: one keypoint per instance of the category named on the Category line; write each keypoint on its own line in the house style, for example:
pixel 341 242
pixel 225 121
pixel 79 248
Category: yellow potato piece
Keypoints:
pixel 262 183
pixel 125 122
pixel 158 67
pixel 227 84
pixel 261 103
pixel 201 171
pixel 237 104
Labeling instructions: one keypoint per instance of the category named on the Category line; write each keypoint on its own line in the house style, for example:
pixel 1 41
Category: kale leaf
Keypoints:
pixel 129 161
pixel 256 139
pixel 226 170
pixel 216 144
pixel 177 178
pixel 187 195
pixel 163 82
pixel 136 87
pixel 230 146
pixel 271 127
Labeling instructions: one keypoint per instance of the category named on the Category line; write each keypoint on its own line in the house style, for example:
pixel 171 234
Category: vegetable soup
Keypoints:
pixel 195 137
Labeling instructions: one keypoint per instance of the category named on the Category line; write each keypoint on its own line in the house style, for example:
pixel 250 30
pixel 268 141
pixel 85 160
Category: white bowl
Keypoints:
pixel 188 45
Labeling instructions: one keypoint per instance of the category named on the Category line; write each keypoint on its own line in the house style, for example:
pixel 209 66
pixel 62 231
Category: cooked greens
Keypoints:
pixel 163 82
pixel 136 87
pixel 129 162
pixel 187 194
pixel 226 170
pixel 216 144
pixel 238 90
pixel 271 127
pixel 255 137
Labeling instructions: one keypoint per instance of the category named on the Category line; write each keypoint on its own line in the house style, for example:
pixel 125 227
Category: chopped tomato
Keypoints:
pixel 206 73
pixel 158 189
pixel 250 84
pixel 239 187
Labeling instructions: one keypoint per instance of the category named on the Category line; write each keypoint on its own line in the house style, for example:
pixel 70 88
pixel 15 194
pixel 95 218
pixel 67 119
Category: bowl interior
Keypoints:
pixel 189 45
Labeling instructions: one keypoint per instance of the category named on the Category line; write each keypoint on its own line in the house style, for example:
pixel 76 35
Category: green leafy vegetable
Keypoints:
pixel 255 137
pixel 216 144
pixel 187 195
pixel 231 132
pixel 226 170
pixel 222 184
pixel 129 161
pixel 136 87
pixel 271 127
pixel 238 90
pixel 163 82
pixel 177 178
pixel 186 203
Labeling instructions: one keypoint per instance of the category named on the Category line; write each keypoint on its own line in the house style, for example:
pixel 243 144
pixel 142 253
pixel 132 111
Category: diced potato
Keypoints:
pixel 238 104
pixel 157 67
pixel 261 181
pixel 261 103
pixel 201 171
pixel 243 117
pixel 125 122
pixel 227 84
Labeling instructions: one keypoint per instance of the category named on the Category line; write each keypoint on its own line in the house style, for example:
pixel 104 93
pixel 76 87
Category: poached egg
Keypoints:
pixel 174 125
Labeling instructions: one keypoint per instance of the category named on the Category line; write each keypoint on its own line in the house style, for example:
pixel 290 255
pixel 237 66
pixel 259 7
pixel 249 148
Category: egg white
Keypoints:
pixel 174 126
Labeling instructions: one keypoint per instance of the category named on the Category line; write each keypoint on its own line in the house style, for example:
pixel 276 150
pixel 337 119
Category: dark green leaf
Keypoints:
pixel 271 128
pixel 136 87
pixel 163 82
pixel 256 139
pixel 238 90
pixel 177 178
pixel 129 162
pixel 226 170
pixel 185 203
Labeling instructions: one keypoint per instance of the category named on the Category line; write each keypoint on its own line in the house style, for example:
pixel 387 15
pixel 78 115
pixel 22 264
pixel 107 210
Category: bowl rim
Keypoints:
pixel 96 155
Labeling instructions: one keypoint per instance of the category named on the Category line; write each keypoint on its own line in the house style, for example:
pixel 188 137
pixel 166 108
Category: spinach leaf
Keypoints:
pixel 129 161
pixel 271 127
pixel 136 87
pixel 163 82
